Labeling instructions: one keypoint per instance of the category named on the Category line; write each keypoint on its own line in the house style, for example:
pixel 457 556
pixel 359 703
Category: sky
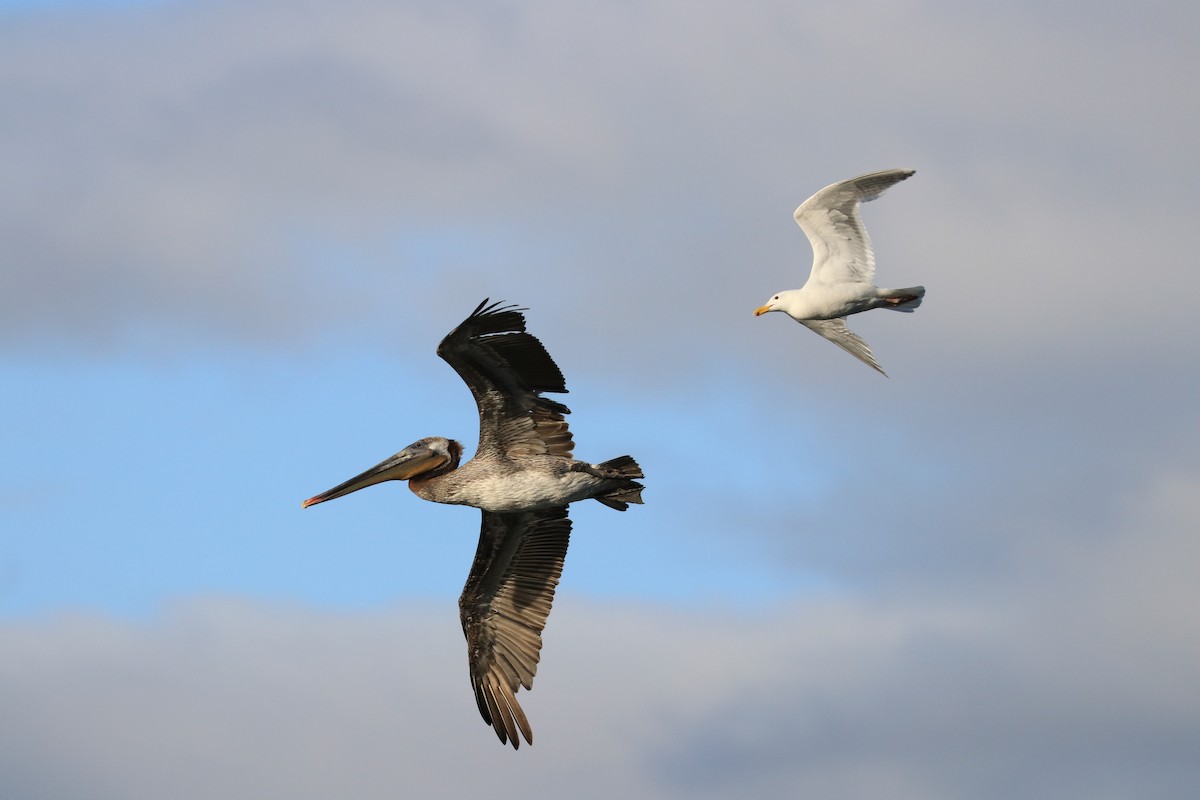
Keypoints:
pixel 235 232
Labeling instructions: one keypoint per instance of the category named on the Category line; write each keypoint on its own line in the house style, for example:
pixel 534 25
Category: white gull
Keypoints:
pixel 842 281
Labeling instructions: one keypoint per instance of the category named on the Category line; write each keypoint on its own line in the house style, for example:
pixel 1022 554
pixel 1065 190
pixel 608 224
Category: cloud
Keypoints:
pixel 1072 687
pixel 246 172
pixel 978 570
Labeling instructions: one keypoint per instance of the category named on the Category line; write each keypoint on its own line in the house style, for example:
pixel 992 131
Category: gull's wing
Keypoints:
pixel 841 247
pixel 504 608
pixel 506 370
pixel 835 330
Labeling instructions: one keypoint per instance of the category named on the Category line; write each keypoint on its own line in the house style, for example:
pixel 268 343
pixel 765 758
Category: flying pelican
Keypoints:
pixel 842 280
pixel 522 478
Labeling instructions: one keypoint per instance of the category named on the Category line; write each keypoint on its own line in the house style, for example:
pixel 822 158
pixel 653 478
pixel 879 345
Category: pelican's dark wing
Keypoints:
pixel 506 370
pixel 504 608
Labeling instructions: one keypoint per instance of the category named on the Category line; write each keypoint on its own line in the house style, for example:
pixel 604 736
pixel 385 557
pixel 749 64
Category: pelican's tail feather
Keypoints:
pixel 624 491
pixel 905 300
pixel 622 466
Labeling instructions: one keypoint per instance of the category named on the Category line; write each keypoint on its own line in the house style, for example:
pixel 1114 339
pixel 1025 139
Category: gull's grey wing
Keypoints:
pixel 835 330
pixel 831 220
pixel 504 607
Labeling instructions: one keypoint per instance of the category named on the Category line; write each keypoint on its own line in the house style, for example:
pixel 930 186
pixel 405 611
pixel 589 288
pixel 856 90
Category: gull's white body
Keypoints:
pixel 842 281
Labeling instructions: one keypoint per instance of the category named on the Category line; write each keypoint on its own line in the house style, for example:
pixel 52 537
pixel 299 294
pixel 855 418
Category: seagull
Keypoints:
pixel 522 478
pixel 842 281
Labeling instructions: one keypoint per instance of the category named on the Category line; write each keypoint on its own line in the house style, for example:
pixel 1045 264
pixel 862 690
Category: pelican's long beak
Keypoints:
pixel 758 312
pixel 408 463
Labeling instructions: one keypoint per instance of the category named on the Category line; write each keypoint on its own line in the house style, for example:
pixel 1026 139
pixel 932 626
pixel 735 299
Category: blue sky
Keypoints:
pixel 235 232
pixel 182 478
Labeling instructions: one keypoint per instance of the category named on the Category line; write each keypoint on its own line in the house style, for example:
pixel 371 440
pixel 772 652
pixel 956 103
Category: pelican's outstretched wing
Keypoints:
pixel 835 330
pixel 504 606
pixel 841 247
pixel 506 370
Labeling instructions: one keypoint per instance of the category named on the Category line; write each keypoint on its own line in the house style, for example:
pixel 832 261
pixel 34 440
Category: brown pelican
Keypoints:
pixel 842 280
pixel 522 477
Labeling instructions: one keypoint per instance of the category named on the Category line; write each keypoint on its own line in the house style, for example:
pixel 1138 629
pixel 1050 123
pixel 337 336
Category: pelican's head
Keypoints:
pixel 425 458
pixel 771 305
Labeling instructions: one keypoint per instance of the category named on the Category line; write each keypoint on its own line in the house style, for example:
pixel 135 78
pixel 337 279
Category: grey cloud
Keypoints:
pixel 1048 692
pixel 171 166
pixel 1008 515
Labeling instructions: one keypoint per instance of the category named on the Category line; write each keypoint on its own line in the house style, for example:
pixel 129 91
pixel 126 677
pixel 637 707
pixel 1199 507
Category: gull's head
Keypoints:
pixel 424 458
pixel 770 305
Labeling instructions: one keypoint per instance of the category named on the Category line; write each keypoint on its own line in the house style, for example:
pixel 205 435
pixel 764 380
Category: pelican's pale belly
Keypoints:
pixel 522 489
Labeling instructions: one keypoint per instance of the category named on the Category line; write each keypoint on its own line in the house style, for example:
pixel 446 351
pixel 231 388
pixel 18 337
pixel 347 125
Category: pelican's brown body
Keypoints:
pixel 522 478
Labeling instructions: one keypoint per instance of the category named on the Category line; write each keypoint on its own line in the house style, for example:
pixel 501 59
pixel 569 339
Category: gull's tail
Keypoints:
pixel 905 300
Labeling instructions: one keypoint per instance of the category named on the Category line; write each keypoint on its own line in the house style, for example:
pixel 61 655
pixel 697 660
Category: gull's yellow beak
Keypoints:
pixel 758 312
